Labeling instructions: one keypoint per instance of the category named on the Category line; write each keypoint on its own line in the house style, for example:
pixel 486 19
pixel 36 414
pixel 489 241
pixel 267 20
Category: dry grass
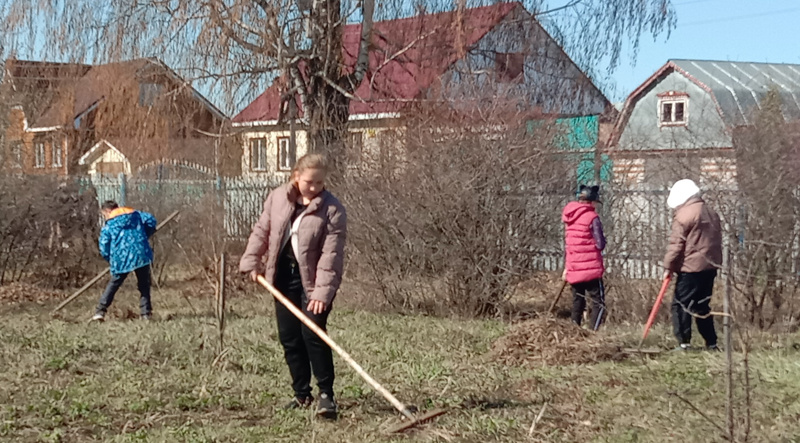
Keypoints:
pixel 64 380
pixel 18 292
pixel 553 342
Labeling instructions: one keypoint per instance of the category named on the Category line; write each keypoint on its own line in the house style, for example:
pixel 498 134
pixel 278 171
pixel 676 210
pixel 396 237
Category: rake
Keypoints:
pixel 654 311
pixel 412 420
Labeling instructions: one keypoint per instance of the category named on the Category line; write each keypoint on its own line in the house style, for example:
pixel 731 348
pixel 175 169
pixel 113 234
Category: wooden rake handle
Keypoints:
pixel 345 356
pixel 105 271
pixel 558 297
pixel 653 312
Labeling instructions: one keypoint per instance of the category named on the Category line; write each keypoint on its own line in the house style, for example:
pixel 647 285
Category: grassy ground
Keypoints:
pixel 126 381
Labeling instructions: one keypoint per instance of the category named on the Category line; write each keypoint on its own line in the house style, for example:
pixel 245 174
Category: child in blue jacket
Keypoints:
pixel 124 244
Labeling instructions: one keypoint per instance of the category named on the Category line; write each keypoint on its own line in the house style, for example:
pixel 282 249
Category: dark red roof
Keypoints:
pixel 423 48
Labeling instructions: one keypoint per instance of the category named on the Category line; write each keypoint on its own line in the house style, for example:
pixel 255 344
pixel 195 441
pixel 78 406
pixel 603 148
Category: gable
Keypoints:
pixel 119 87
pixel 550 82
pixel 705 127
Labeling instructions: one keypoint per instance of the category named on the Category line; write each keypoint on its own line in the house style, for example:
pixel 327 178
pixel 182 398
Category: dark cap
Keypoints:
pixel 589 193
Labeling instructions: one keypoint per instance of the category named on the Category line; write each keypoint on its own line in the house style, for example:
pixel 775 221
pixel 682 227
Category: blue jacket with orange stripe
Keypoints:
pixel 124 240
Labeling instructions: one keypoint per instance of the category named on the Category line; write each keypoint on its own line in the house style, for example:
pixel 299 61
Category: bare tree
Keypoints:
pixel 766 232
pixel 237 45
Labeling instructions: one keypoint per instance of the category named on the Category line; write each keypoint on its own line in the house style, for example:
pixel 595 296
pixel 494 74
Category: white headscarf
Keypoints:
pixel 681 192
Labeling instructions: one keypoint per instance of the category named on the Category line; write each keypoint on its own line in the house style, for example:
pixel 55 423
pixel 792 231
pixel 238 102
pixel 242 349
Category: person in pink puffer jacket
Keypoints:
pixel 585 242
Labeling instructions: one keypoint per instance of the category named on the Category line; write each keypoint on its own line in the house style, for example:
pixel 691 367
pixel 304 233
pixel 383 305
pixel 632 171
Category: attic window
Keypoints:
pixel 148 92
pixel 509 66
pixel 673 109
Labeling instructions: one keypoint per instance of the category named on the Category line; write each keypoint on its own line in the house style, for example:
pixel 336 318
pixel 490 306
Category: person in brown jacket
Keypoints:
pixel 301 232
pixel 694 253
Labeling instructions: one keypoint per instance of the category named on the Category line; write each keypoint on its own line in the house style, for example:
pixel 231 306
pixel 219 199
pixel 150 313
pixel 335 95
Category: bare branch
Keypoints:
pixel 362 62
pixel 702 414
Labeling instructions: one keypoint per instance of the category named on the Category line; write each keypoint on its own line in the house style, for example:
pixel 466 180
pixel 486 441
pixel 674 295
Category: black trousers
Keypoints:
pixel 303 349
pixel 693 296
pixel 594 291
pixel 143 284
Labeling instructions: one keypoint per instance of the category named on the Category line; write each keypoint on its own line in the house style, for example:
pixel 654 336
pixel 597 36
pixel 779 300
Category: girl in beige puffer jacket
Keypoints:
pixel 301 233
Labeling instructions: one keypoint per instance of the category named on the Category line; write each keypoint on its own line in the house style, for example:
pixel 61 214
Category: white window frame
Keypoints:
pixel 57 155
pixel 673 101
pixel 258 154
pixel 149 92
pixel 39 151
pixel 16 155
pixel 286 158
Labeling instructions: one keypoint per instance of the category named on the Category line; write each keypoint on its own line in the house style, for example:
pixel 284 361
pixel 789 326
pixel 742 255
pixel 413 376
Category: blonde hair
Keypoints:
pixel 310 161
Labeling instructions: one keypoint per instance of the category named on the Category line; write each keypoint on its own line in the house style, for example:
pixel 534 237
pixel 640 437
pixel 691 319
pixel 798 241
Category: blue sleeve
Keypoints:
pixel 149 223
pixel 105 243
pixel 597 234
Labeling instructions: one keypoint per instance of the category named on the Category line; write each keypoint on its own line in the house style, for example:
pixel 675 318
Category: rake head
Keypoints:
pixel 417 420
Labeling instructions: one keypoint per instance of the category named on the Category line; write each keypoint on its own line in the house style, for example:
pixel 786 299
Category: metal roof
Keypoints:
pixel 739 87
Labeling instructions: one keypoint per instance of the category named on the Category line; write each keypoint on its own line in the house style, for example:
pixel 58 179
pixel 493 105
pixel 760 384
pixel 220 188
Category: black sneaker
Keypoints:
pixel 299 402
pixel 327 407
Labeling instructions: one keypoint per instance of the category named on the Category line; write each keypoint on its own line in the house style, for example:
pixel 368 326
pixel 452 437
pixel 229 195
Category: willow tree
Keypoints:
pixel 237 46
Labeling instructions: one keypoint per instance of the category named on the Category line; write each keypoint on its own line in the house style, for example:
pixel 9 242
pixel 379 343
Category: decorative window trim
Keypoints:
pixel 258 154
pixel 357 144
pixel 678 103
pixel 16 154
pixel 286 158
pixel 39 154
pixel 57 155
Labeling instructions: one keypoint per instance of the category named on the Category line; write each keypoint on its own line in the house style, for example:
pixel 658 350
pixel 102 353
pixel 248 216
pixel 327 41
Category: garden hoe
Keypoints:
pixel 412 421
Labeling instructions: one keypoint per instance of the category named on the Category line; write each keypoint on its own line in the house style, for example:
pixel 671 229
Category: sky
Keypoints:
pixel 727 30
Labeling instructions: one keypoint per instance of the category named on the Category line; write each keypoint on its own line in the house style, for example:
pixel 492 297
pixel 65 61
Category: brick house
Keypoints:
pixel 72 119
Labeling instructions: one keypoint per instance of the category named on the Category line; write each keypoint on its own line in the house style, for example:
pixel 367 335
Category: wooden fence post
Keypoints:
pixel 123 190
pixel 221 302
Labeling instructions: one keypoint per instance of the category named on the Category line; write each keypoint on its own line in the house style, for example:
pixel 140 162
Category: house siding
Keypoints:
pixel 301 144
pixel 109 156
pixel 551 84
pixel 705 127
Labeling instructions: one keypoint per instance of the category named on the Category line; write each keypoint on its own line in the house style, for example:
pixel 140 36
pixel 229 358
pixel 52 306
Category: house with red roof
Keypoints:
pixel 132 117
pixel 464 58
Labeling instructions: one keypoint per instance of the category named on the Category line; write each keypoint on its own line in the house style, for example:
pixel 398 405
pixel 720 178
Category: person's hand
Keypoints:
pixel 254 275
pixel 315 307
pixel 667 274
pixel 564 275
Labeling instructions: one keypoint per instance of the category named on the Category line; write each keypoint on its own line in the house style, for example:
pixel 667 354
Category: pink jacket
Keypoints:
pixel 584 261
pixel 320 241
